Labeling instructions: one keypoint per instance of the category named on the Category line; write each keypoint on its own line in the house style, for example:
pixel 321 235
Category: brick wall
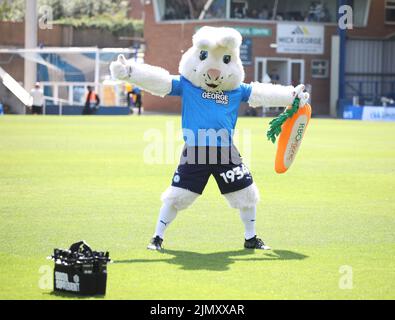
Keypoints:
pixel 166 51
pixel 137 9
pixel 167 41
pixel 13 34
pixel 376 27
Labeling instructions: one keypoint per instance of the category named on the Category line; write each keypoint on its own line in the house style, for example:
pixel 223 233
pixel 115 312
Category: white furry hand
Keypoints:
pixel 303 96
pixel 120 69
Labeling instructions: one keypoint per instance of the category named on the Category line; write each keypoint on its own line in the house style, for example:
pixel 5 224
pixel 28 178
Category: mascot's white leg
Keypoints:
pixel 246 201
pixel 174 199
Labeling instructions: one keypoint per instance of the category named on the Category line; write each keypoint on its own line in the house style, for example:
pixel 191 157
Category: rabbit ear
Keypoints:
pixel 211 37
pixel 122 59
pixel 203 38
pixel 230 38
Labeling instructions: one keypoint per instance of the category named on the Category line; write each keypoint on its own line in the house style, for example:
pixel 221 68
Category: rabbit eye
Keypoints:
pixel 227 59
pixel 203 55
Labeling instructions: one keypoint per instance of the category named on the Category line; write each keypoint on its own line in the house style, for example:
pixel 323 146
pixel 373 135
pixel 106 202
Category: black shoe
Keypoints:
pixel 155 244
pixel 256 243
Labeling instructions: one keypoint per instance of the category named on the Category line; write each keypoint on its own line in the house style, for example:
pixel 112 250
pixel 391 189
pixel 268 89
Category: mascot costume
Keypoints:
pixel 211 88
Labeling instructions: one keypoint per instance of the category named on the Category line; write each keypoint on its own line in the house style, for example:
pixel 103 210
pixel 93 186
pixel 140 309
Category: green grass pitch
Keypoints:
pixel 63 179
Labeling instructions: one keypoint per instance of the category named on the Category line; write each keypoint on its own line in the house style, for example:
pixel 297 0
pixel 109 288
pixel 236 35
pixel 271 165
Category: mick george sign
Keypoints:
pixel 300 38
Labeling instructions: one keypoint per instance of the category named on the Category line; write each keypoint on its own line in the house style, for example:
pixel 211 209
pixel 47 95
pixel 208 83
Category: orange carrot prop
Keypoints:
pixel 291 126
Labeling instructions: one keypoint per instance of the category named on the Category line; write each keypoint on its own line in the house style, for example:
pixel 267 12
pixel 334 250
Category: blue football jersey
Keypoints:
pixel 208 118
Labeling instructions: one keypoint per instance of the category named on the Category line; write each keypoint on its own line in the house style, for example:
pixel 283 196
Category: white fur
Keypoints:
pixel 245 198
pixel 218 42
pixel 155 80
pixel 210 37
pixel 270 95
pixel 179 198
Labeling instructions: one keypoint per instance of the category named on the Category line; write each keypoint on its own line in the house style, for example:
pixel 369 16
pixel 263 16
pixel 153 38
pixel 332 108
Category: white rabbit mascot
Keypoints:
pixel 211 88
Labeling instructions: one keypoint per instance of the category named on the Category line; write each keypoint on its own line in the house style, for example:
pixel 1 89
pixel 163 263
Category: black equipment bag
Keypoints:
pixel 80 270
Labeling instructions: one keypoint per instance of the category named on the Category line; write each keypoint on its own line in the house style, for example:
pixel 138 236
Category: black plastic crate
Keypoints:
pixel 80 270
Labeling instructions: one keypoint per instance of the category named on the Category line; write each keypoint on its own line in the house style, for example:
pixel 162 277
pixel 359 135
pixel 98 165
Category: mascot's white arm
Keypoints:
pixel 155 80
pixel 158 81
pixel 272 95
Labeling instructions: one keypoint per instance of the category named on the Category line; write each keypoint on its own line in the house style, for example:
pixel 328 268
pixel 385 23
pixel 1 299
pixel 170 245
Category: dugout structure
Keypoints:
pixel 65 74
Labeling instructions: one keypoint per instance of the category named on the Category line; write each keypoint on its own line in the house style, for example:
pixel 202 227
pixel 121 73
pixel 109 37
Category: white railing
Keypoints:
pixel 66 91
pixel 57 86
pixel 57 101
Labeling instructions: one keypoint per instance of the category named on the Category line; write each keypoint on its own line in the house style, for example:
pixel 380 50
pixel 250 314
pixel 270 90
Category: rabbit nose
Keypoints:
pixel 214 74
